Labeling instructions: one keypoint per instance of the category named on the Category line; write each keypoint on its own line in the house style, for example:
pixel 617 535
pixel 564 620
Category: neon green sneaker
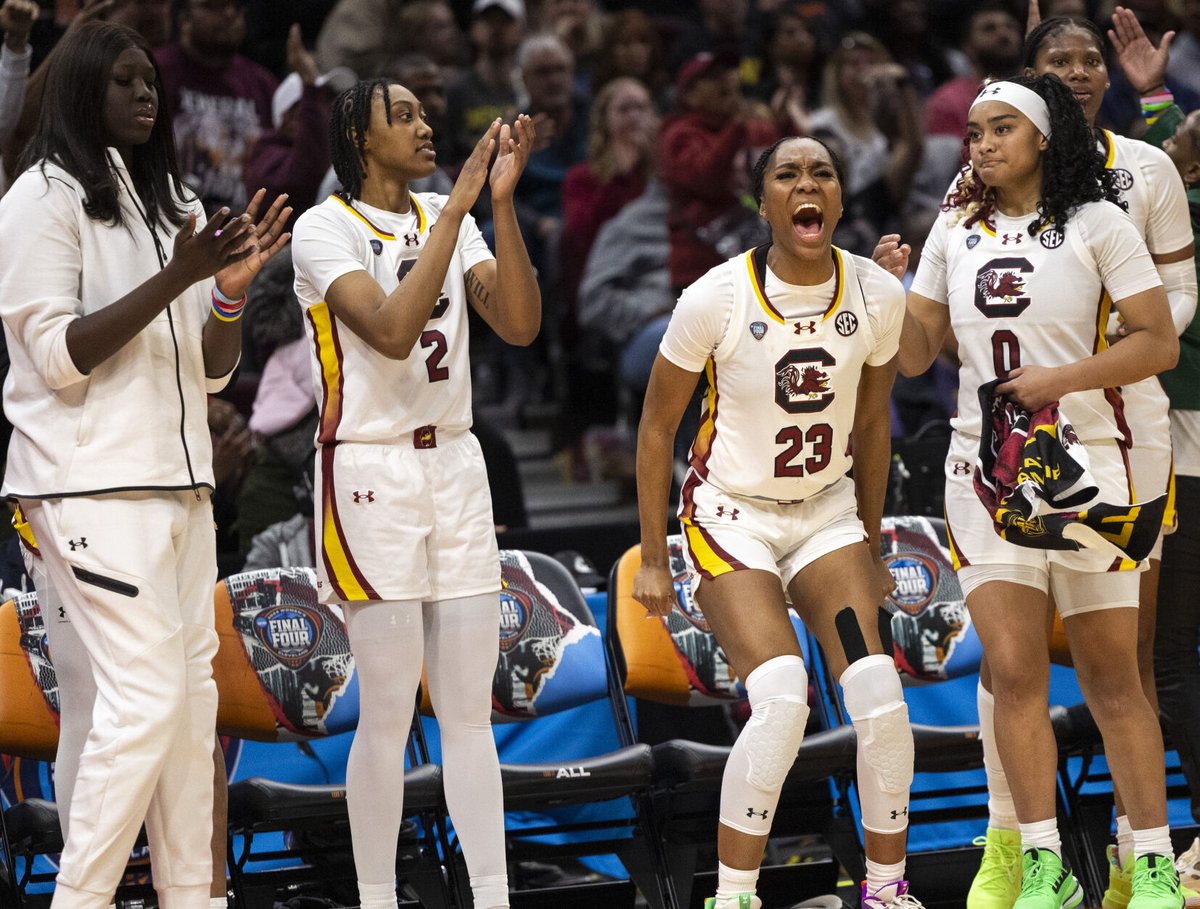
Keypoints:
pixel 744 901
pixel 1046 884
pixel 997 883
pixel 1156 883
pixel 1120 882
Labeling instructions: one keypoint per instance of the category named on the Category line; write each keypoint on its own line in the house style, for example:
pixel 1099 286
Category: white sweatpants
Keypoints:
pixel 135 574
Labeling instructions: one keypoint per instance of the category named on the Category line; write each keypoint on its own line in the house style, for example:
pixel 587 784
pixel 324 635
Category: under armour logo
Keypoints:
pixel 989 91
pixel 1014 238
pixel 412 239
pixel 961 468
pixel 750 812
pixel 732 513
pixel 62 613
pixel 899 814
pixel 809 327
pixel 81 543
pixel 368 496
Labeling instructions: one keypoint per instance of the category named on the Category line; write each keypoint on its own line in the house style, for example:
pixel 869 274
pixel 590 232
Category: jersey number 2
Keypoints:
pixel 820 437
pixel 431 338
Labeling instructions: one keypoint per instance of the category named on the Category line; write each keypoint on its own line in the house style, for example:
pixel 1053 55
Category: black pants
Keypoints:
pixel 1177 636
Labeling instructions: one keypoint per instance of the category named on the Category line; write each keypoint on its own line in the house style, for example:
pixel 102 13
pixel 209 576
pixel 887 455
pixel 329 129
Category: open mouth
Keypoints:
pixel 808 221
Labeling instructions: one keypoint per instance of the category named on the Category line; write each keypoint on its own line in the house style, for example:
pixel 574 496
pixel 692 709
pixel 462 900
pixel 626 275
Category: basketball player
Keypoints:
pixel 1153 194
pixel 798 340
pixel 404 523
pixel 1017 267
pixel 114 343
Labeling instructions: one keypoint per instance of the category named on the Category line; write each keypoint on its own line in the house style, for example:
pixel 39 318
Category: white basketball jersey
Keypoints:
pixel 363 395
pixel 783 383
pixel 1041 300
pixel 1157 204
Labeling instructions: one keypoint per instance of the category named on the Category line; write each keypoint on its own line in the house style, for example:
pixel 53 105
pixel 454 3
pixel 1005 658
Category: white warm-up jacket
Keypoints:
pixel 139 420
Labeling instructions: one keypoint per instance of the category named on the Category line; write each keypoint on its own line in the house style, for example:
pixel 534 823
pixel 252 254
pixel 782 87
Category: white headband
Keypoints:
pixel 1025 100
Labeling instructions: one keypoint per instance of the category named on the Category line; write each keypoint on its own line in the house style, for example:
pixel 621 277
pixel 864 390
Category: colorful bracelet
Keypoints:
pixel 1158 102
pixel 225 309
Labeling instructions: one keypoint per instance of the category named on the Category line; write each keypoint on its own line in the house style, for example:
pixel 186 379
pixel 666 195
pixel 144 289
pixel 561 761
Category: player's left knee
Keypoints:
pixel 874 699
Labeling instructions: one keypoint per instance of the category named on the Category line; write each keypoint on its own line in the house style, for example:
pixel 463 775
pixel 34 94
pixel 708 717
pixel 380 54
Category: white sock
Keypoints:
pixel 1153 840
pixel 880 875
pixel 1041 835
pixel 218 902
pixel 732 881
pixel 1124 840
pixel 377 896
pixel 1002 813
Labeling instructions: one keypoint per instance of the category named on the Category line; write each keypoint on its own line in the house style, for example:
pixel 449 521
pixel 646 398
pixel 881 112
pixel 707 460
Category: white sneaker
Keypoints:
pixel 890 896
pixel 1188 865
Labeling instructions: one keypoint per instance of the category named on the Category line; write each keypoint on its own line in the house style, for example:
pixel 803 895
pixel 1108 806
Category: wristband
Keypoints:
pixel 226 300
pixel 225 309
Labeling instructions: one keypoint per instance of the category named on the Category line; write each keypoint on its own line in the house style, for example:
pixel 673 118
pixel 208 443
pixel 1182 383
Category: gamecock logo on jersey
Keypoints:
pixel 802 381
pixel 998 288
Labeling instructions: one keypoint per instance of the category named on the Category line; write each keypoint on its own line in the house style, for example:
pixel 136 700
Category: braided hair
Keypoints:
pixel 1073 170
pixel 348 128
pixel 1048 28
pixel 759 173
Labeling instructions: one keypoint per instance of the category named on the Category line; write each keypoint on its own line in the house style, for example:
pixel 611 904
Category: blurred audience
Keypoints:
pixel 369 35
pixel 579 25
pixel 992 42
pixel 904 29
pixel 293 156
pixel 706 154
pixel 630 46
pixel 486 90
pixel 16 19
pixel 790 82
pixel 873 113
pixel 220 101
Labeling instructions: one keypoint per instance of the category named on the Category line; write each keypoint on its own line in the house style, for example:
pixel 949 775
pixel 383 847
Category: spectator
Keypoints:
pixel 220 101
pixel 367 35
pixel 579 26
pixel 705 157
pixel 1184 65
pixel 630 46
pixel 873 111
pixel 149 18
pixel 789 84
pixel 16 19
pixel 622 149
pixel 293 156
pixel 268 26
pixel 991 41
pixel 485 91
pixel 903 28
pixel 724 28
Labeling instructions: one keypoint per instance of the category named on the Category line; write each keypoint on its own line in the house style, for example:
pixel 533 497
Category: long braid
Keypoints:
pixel 348 128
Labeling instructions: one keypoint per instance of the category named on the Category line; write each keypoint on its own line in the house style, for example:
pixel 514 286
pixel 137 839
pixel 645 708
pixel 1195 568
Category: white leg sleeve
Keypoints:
pixel 875 702
pixel 386 639
pixel 765 751
pixel 462 647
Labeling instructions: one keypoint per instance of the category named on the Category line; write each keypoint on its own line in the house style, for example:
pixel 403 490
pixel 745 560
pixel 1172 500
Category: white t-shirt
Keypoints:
pixel 363 395
pixel 1035 301
pixel 783 365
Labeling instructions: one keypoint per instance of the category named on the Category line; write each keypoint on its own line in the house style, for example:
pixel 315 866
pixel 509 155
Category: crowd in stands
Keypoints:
pixel 649 115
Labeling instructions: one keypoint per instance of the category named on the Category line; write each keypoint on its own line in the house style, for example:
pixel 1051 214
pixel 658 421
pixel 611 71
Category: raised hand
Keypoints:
pixel 299 59
pixel 474 172
pixel 1144 65
pixel 512 156
pixel 198 255
pixel 1033 18
pixel 16 20
pixel 265 239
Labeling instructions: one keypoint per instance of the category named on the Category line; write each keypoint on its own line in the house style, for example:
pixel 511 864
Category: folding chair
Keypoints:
pixel 677 662
pixel 284 672
pixel 551 660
